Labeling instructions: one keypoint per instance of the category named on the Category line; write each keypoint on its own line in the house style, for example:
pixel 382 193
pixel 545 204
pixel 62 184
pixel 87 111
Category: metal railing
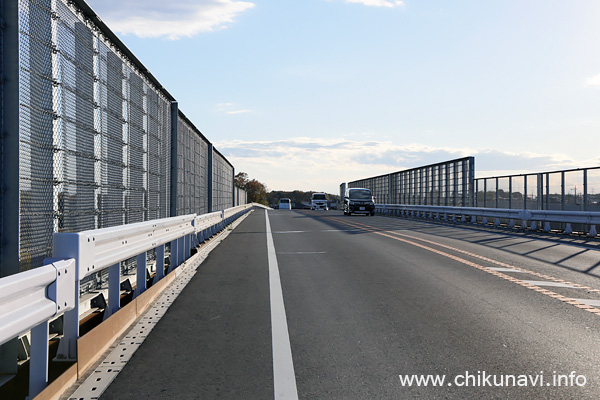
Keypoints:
pixel 448 183
pixel 95 139
pixel 528 219
pixel 30 300
pixel 566 190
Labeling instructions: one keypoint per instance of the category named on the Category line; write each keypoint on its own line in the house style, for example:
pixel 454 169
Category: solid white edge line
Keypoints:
pixel 284 378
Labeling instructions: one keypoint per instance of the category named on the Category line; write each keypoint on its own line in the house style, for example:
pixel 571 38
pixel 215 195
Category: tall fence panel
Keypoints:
pixel 192 158
pixel 566 190
pixel 223 181
pixel 94 134
pixel 447 184
pixel 93 131
pixel 89 140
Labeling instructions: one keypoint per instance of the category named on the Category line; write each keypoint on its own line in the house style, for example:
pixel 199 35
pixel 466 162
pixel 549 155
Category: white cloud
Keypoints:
pixel 231 109
pixel 593 81
pixel 170 19
pixel 322 164
pixel 378 3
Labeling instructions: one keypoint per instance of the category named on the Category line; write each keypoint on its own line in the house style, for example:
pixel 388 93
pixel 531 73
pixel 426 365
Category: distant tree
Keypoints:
pixel 241 179
pixel 256 192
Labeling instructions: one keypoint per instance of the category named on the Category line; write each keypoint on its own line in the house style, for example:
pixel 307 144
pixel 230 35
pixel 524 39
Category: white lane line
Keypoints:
pixel 284 377
pixel 301 252
pixel 505 270
pixel 549 283
pixel 589 302
pixel 324 230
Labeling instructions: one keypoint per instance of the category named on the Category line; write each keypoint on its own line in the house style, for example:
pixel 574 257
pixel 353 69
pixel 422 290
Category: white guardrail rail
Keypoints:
pixel 30 300
pixel 529 219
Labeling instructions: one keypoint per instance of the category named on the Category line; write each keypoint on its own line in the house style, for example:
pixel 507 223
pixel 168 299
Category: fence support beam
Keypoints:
pixel 174 161
pixel 9 178
pixel 210 177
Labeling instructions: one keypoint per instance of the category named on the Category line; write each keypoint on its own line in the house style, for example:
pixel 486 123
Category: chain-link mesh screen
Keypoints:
pixel 447 184
pixel 2 129
pixel 222 183
pixel 94 132
pixel 36 120
pixel 192 177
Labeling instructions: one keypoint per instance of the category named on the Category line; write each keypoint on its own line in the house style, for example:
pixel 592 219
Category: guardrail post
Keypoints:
pixel 174 256
pixel 188 245
pixel 71 245
pixel 141 265
pixel 593 232
pixel 38 362
pixel 511 223
pixel 547 227
pixel 160 261
pixel 180 250
pixel 568 229
pixel 114 289
pixel 533 225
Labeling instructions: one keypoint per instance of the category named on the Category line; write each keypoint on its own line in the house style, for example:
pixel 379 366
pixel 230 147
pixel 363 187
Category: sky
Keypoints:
pixel 307 94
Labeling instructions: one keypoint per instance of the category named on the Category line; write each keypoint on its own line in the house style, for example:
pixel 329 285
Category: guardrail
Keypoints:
pixel 31 299
pixel 529 219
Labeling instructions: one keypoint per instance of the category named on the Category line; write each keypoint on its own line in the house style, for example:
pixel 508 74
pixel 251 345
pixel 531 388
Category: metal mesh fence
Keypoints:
pixel 222 183
pixel 446 184
pixel 95 135
pixel 94 131
pixel 567 190
pixel 2 123
pixel 192 158
pixel 240 196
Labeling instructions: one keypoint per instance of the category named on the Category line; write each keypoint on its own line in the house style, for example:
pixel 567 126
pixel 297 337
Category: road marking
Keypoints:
pixel 301 252
pixel 325 230
pixel 584 305
pixel 546 283
pixel 506 270
pixel 284 377
pixel 589 302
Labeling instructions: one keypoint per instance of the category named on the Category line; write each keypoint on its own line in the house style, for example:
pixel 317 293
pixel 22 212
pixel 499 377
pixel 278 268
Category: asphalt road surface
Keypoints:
pixel 376 308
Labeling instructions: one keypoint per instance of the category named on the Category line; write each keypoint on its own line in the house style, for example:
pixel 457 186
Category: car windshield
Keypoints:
pixel 360 194
pixel 284 200
pixel 319 197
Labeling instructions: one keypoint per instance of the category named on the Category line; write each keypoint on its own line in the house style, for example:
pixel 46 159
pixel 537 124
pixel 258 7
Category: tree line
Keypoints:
pixel 257 192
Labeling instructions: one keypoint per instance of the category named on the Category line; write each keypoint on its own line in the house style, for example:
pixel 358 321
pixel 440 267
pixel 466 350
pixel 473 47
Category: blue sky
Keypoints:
pixel 306 94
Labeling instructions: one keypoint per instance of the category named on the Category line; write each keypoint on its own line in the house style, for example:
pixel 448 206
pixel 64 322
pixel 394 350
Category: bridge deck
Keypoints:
pixel 369 299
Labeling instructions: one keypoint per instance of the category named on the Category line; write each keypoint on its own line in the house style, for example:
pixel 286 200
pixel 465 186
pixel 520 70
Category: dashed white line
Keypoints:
pixel 301 252
pixel 549 283
pixel 589 302
pixel 505 270
pixel 284 377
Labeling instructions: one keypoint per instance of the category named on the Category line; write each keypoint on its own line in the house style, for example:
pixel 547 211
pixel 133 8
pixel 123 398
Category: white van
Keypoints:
pixel 285 204
pixel 318 201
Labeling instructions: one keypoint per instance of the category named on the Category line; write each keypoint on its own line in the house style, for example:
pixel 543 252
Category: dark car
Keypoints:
pixel 359 201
